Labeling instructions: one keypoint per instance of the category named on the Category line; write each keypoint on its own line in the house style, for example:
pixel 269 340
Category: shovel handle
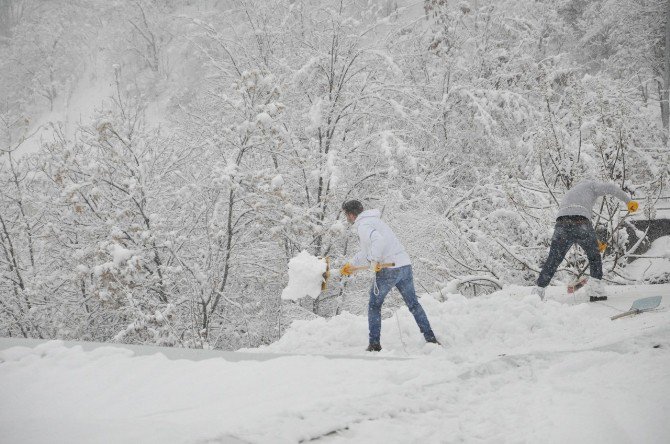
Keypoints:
pixel 367 267
pixel 326 274
pixel 626 313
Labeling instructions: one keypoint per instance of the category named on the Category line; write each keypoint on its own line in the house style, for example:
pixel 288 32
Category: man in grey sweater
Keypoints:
pixel 573 226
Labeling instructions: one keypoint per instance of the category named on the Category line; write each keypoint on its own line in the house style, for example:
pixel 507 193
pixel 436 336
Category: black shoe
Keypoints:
pixel 433 340
pixel 374 347
pixel 597 298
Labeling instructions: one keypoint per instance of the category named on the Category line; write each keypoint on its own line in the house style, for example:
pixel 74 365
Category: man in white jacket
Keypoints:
pixel 379 245
pixel 573 226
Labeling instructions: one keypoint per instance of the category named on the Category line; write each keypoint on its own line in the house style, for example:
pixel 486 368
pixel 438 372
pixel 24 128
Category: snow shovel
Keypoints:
pixel 640 305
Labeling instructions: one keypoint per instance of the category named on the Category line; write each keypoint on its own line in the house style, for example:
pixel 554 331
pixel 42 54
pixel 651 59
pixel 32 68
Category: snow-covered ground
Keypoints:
pixel 511 369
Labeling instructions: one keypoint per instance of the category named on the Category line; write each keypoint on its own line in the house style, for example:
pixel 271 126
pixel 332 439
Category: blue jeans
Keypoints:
pixel 565 235
pixel 403 279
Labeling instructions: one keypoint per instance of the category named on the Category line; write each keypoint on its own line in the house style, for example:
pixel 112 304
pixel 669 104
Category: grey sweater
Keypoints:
pixel 579 200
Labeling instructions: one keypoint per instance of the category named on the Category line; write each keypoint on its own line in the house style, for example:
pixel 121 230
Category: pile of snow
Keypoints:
pixel 305 275
pixel 507 321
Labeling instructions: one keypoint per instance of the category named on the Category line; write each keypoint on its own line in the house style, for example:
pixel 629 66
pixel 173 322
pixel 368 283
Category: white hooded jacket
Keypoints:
pixel 378 242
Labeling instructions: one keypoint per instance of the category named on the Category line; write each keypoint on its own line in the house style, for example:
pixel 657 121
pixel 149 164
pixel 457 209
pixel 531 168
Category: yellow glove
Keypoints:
pixel 377 267
pixel 346 269
pixel 633 206
pixel 601 246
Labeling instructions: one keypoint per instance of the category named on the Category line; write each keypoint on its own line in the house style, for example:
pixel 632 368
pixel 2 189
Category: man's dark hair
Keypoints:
pixel 353 207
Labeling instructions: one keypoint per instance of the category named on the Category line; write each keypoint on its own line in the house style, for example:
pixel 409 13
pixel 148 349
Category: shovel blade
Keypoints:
pixel 645 304
pixel 640 305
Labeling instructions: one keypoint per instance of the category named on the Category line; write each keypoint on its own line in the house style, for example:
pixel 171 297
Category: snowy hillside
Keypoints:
pixel 512 369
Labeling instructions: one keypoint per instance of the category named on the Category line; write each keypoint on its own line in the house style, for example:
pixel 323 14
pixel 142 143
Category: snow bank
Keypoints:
pixel 508 321
pixel 305 274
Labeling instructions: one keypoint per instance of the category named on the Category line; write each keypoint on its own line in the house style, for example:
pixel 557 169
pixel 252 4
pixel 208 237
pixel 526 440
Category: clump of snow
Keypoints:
pixel 277 181
pixel 264 120
pixel 120 254
pixel 338 228
pixel 305 275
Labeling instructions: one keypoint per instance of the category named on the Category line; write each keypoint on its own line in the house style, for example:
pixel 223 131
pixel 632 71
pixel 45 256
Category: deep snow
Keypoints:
pixel 512 369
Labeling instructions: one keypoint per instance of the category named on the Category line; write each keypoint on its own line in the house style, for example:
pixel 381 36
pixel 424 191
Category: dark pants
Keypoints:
pixel 403 279
pixel 569 231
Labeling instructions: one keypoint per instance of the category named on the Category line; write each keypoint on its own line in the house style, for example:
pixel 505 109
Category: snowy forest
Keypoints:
pixel 161 161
